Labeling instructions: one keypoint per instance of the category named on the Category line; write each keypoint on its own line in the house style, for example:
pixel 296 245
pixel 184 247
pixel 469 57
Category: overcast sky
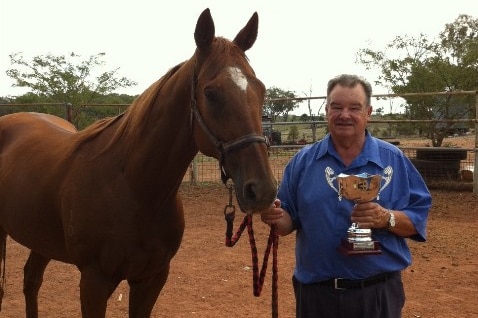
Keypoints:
pixel 301 43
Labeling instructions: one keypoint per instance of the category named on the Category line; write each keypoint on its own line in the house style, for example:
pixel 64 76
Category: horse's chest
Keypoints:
pixel 127 238
pixel 145 249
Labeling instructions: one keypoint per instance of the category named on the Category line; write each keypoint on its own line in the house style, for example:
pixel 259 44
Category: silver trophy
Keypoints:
pixel 359 188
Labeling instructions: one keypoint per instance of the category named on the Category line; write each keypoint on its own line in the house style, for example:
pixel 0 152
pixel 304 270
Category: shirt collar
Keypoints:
pixel 370 151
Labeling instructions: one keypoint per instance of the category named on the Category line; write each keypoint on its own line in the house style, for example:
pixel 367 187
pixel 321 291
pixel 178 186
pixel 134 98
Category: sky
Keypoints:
pixel 301 44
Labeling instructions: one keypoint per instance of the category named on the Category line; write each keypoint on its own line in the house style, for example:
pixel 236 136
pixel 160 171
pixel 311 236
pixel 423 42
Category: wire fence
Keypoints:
pixel 450 167
pixel 444 168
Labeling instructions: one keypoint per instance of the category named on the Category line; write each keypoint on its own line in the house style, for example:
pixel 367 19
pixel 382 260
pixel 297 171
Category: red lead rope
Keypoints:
pixel 273 241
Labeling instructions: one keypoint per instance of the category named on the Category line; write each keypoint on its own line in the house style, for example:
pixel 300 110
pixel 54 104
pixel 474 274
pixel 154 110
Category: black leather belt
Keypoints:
pixel 341 283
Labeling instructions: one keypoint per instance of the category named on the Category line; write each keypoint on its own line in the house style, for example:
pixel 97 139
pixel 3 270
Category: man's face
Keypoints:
pixel 347 112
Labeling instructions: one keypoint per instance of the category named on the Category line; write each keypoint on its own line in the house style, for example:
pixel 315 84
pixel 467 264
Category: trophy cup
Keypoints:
pixel 359 188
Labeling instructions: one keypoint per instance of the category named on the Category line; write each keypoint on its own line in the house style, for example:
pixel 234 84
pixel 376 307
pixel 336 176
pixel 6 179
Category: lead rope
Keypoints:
pixel 273 241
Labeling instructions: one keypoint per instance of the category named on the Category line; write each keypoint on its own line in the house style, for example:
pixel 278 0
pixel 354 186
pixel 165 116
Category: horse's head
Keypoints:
pixel 227 112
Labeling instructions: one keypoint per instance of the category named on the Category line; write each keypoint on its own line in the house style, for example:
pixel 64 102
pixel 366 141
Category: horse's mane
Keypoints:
pixel 130 119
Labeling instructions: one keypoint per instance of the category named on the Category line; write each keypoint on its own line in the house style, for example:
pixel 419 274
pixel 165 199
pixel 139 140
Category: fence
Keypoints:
pixel 444 168
pixel 81 116
pixel 448 166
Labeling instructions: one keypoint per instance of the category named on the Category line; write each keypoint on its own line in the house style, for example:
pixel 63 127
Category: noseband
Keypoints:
pixel 228 146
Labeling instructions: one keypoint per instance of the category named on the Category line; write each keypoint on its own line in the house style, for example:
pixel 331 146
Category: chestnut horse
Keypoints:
pixel 106 198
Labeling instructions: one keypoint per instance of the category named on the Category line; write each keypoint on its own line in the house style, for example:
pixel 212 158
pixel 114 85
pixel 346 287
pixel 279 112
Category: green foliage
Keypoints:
pixel 83 115
pixel 66 79
pixel 304 117
pixel 31 102
pixel 293 133
pixel 379 111
pixel 415 65
pixel 279 103
pixel 106 106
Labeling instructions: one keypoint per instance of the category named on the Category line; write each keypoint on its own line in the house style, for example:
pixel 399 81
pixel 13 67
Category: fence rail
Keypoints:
pixel 204 169
pixel 448 171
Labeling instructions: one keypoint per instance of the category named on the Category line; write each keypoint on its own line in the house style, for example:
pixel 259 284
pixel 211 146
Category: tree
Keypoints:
pixel 378 111
pixel 66 79
pixel 448 64
pixel 308 103
pixel 293 133
pixel 279 103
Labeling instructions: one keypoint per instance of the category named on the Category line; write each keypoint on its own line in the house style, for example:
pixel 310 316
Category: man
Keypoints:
pixel 328 283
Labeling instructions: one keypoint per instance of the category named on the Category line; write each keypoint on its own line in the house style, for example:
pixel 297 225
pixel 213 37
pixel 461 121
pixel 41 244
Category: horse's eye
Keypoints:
pixel 212 95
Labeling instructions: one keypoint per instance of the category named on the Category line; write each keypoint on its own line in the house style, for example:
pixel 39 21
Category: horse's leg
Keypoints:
pixel 32 280
pixel 144 293
pixel 95 290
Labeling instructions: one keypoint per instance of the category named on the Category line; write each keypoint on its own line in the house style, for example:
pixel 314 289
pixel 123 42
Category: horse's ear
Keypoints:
pixel 248 35
pixel 204 33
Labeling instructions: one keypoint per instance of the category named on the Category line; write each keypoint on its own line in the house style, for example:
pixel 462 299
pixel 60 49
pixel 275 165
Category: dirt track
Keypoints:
pixel 210 280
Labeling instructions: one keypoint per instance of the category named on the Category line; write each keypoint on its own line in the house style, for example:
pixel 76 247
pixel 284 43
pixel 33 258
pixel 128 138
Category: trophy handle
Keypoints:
pixel 329 172
pixel 387 176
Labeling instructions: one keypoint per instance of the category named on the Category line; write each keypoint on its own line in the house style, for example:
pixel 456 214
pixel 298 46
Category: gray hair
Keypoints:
pixel 350 80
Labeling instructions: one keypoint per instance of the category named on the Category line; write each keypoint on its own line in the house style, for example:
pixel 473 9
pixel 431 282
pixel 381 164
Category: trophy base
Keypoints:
pixel 359 248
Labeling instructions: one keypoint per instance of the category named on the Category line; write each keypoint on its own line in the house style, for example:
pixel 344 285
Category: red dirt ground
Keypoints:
pixel 210 280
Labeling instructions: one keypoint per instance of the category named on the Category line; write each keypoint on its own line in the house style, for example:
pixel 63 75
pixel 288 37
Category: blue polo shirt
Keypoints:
pixel 309 193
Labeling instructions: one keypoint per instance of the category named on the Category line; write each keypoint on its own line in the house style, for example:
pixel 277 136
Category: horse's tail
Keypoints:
pixel 3 254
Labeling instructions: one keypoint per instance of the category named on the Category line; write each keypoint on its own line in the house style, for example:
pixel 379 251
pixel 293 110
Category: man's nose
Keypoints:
pixel 345 112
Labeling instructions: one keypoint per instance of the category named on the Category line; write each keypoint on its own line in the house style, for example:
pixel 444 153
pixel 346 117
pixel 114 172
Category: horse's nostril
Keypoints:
pixel 250 191
pixel 258 195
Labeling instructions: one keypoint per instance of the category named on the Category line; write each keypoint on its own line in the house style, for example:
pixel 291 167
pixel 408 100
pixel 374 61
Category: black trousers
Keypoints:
pixel 381 300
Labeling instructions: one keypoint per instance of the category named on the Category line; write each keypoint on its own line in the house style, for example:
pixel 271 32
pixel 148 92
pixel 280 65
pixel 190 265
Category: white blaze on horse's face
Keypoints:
pixel 238 78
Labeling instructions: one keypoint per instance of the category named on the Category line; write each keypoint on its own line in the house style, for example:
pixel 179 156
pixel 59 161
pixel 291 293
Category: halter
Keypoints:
pixel 225 147
pixel 229 210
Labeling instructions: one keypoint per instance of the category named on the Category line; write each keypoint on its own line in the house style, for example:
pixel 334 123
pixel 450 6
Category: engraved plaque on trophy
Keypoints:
pixel 359 188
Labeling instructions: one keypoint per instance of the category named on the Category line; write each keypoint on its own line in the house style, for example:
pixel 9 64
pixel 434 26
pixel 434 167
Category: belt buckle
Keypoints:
pixel 336 284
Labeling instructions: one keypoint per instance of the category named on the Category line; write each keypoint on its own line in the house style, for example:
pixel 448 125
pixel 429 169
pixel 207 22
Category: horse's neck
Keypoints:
pixel 154 139
pixel 166 146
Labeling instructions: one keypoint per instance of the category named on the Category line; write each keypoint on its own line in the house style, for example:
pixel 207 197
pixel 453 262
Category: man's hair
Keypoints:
pixel 350 80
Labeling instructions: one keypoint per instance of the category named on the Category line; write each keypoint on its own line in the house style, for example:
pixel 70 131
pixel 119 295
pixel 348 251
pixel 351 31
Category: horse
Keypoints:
pixel 106 198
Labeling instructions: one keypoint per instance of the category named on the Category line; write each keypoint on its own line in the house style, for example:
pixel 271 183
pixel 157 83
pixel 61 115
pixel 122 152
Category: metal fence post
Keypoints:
pixel 69 112
pixel 475 166
pixel 194 171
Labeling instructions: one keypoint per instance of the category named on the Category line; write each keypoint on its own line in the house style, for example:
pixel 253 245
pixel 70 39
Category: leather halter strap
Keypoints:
pixel 228 146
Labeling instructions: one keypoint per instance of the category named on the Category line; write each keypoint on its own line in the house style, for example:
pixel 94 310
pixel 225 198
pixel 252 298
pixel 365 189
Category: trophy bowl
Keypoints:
pixel 359 188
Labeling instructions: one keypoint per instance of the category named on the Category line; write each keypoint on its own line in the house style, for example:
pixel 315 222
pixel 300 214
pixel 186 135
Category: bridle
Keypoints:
pixel 224 147
pixel 229 211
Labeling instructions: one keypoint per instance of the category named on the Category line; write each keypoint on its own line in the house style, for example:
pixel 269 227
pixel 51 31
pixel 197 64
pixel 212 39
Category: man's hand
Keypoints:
pixel 275 215
pixel 370 215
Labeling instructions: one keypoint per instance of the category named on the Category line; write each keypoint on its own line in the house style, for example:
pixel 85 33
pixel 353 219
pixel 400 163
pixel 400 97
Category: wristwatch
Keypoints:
pixel 391 220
